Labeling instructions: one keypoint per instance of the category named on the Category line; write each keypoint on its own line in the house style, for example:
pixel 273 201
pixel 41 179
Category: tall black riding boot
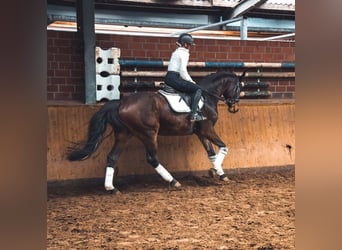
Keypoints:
pixel 194 116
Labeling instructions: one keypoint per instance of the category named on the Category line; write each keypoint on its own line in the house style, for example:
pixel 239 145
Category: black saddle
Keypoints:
pixel 184 96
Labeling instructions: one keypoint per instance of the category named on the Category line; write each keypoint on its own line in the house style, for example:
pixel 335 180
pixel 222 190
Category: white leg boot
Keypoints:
pixel 109 179
pixel 217 161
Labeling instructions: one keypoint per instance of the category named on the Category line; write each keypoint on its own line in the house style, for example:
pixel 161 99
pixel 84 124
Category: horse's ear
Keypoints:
pixel 242 75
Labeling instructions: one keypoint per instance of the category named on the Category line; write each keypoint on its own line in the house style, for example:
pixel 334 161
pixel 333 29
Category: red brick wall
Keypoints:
pixel 151 48
pixel 65 58
pixel 65 66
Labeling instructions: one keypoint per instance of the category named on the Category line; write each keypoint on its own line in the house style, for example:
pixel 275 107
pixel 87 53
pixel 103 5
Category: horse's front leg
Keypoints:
pixel 215 159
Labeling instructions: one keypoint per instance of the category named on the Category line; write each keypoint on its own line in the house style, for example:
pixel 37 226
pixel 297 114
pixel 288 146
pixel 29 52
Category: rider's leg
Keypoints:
pixel 196 97
pixel 173 80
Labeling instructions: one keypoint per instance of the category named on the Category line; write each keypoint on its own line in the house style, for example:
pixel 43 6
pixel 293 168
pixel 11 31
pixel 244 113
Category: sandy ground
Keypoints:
pixel 252 211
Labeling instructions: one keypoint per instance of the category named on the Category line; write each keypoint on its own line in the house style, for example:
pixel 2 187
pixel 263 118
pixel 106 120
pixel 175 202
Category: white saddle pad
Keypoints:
pixel 177 103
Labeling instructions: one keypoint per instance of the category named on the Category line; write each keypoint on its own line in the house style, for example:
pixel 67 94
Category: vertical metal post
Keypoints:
pixel 244 29
pixel 86 26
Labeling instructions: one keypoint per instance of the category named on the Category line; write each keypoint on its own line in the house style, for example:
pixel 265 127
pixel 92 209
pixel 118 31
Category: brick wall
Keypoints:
pixel 65 58
pixel 65 65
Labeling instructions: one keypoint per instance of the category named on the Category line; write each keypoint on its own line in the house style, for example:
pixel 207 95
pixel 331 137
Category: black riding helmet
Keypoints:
pixel 185 38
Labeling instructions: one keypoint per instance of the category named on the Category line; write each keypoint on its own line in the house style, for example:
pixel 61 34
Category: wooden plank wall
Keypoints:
pixel 261 134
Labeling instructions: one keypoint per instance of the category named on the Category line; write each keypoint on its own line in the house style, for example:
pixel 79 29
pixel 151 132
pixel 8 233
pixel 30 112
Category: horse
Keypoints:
pixel 146 115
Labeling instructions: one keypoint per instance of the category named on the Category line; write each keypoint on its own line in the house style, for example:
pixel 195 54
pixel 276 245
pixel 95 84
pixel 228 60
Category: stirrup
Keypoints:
pixel 197 117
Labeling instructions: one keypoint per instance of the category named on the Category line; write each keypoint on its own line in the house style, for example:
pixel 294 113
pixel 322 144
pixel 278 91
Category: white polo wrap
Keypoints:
pixel 109 178
pixel 217 160
pixel 164 173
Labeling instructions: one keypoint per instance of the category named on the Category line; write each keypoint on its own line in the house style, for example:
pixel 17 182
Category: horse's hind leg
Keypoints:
pixel 152 159
pixel 112 158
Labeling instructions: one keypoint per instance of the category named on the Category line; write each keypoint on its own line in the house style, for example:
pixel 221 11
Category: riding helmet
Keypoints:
pixel 185 38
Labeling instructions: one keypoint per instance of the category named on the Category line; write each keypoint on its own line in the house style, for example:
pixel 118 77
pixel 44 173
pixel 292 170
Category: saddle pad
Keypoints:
pixel 177 103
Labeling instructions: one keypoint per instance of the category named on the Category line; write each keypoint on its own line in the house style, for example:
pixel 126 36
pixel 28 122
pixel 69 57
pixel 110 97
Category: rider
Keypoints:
pixel 178 77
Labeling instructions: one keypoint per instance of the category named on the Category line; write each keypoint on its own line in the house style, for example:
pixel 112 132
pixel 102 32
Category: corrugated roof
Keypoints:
pixel 282 2
pixel 279 4
pixel 269 4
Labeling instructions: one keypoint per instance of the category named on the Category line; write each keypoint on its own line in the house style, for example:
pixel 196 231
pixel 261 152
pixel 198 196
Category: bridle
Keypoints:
pixel 230 101
pixel 236 96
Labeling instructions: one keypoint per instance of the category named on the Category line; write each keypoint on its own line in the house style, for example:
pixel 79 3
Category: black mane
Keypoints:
pixel 213 77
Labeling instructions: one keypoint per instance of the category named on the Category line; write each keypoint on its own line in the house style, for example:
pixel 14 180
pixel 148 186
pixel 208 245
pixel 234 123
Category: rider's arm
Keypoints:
pixel 183 71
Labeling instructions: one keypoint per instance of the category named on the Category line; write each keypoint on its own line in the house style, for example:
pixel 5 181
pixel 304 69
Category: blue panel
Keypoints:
pixel 143 63
pixel 288 65
pixel 224 64
pixel 147 63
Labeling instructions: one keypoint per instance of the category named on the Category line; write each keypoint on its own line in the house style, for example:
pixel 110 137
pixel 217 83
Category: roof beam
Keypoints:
pixel 245 6
pixel 86 28
pixel 207 26
pixel 278 37
pixel 257 24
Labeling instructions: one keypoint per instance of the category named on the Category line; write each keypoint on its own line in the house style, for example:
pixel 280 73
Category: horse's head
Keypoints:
pixel 232 94
pixel 224 83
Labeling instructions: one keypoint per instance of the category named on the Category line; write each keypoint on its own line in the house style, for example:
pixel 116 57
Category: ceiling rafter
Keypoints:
pixel 245 6
pixel 113 19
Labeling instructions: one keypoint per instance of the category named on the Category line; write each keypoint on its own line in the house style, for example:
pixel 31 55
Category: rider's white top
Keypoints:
pixel 178 63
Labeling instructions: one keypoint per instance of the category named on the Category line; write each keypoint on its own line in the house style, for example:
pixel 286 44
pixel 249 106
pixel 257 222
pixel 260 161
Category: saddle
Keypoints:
pixel 179 102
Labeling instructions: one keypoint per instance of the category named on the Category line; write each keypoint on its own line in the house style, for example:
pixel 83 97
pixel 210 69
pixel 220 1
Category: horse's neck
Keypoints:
pixel 223 80
pixel 212 88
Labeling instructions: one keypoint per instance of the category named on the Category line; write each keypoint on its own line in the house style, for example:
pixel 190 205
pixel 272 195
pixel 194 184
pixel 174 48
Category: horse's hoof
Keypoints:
pixel 212 173
pixel 115 191
pixel 175 183
pixel 224 178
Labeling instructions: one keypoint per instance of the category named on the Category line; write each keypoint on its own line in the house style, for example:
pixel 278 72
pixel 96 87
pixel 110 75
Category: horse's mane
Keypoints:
pixel 217 75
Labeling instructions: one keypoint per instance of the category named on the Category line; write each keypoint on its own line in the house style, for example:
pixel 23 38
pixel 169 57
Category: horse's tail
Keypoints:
pixel 97 127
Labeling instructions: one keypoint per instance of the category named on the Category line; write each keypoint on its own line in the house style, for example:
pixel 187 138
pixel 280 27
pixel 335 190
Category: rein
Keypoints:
pixel 213 95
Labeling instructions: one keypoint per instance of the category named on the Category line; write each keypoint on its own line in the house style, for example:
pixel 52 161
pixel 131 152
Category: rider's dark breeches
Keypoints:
pixel 173 79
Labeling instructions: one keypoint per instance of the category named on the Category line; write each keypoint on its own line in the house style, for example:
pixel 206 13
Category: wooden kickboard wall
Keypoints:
pixel 259 135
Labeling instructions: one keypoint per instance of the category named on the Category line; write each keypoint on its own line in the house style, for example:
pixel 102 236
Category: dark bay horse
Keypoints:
pixel 146 115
